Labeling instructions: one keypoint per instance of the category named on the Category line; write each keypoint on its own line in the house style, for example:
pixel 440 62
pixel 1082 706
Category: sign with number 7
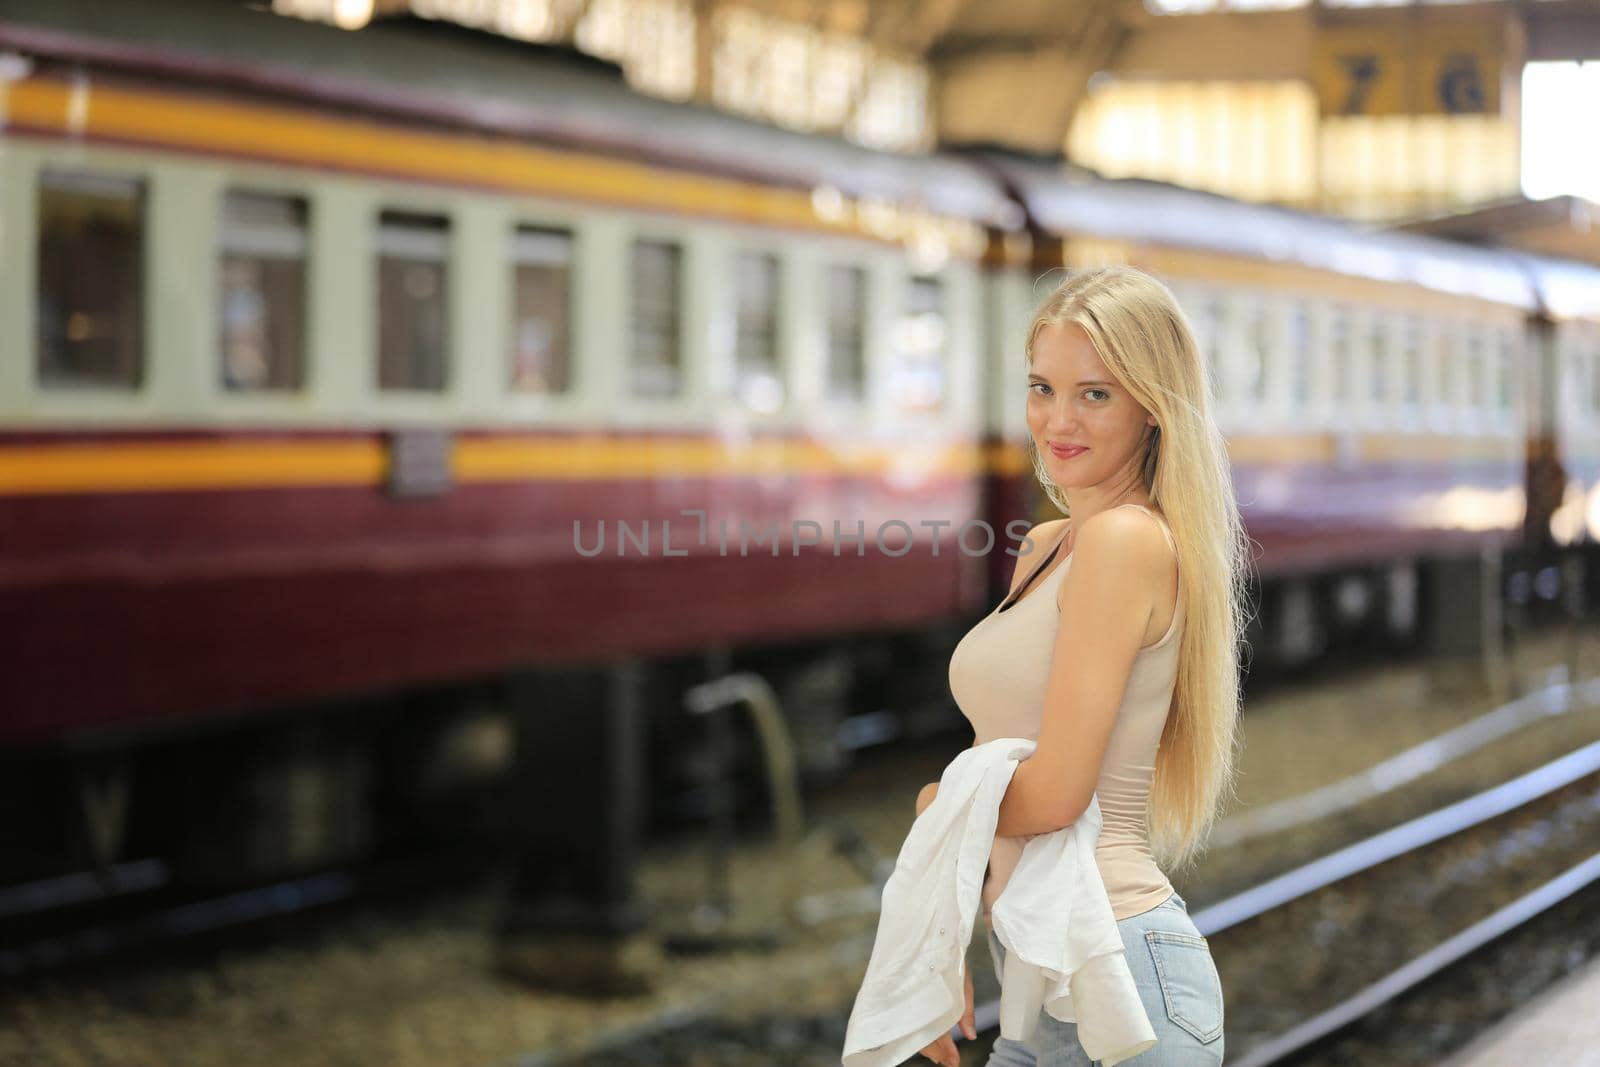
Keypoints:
pixel 1385 66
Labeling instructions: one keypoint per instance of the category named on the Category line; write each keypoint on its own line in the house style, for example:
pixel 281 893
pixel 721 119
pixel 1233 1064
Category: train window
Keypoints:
pixel 758 379
pixel 1472 369
pixel 657 280
pixel 91 280
pixel 261 310
pixel 1301 381
pixel 1504 364
pixel 1588 362
pixel 918 379
pixel 1411 361
pixel 1257 354
pixel 1339 370
pixel 413 251
pixel 1451 346
pixel 847 372
pixel 1572 387
pixel 541 320
pixel 1210 321
pixel 1377 359
pixel 1435 366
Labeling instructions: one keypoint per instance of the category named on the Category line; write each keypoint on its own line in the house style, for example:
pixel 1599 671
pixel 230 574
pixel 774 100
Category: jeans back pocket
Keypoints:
pixel 1189 982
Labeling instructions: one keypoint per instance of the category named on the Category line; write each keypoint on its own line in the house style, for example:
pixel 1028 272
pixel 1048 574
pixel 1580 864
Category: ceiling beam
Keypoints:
pixel 933 19
pixel 1561 29
pixel 1023 89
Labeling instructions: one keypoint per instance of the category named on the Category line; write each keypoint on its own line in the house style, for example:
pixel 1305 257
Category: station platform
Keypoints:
pixel 1559 1027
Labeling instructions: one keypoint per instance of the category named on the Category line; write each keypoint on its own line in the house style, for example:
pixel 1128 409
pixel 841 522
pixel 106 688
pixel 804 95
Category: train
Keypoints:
pixel 376 407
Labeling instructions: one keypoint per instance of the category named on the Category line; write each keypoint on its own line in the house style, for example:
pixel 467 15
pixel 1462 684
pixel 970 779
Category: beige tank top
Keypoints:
pixel 998 675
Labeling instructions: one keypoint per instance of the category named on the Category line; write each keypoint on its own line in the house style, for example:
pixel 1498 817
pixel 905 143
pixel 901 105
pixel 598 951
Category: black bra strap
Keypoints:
pixel 1023 588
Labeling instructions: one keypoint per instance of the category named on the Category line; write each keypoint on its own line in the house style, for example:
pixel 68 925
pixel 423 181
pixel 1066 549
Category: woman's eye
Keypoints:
pixel 1038 385
pixel 1102 392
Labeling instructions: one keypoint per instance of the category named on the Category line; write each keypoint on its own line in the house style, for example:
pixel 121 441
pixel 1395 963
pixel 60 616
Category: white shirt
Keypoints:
pixel 1064 953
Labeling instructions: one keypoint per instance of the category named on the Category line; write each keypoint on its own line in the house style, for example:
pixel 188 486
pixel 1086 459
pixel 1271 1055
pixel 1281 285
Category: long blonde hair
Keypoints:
pixel 1146 342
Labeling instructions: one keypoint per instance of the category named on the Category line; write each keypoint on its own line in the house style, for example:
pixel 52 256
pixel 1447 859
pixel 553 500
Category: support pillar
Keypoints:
pixel 1463 632
pixel 573 921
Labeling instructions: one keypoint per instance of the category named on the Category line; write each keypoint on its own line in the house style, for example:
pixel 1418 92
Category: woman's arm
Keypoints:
pixel 931 790
pixel 1106 600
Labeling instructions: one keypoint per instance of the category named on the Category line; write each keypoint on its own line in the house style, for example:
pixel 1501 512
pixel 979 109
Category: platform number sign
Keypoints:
pixel 1361 73
pixel 1408 70
pixel 1459 85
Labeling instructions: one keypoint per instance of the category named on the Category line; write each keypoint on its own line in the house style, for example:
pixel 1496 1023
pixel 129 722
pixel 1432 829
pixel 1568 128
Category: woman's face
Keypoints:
pixel 1073 400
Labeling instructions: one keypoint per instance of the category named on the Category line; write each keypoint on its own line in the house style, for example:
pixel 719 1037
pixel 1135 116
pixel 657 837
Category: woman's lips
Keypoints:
pixel 1067 453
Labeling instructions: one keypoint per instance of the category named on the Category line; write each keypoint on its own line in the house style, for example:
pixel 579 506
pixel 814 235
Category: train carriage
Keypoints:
pixel 344 367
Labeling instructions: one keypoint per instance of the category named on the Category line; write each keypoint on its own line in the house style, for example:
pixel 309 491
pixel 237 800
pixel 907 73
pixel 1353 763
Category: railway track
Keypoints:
pixel 1313 951
pixel 81 918
pixel 1326 1026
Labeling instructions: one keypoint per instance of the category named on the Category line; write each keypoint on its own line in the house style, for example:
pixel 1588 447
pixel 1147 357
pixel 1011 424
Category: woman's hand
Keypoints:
pixel 943 1051
pixel 925 797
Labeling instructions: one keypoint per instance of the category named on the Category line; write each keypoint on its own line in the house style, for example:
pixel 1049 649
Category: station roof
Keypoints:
pixel 1565 226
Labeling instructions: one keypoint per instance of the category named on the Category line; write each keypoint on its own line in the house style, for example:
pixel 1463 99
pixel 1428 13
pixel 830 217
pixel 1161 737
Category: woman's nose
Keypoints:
pixel 1063 417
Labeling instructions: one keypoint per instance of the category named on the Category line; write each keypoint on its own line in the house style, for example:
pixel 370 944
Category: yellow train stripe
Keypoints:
pixel 157 466
pixel 1007 460
pixel 167 465
pixel 301 138
pixel 502 459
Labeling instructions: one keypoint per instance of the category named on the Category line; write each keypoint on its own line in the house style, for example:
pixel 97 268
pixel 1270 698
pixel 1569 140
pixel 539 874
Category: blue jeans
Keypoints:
pixel 1177 980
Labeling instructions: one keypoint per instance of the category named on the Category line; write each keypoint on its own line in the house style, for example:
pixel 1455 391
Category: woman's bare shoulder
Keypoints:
pixel 1136 539
pixel 1129 526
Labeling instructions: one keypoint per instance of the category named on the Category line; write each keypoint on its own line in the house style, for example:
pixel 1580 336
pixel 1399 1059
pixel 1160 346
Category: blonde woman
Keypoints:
pixel 1117 648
